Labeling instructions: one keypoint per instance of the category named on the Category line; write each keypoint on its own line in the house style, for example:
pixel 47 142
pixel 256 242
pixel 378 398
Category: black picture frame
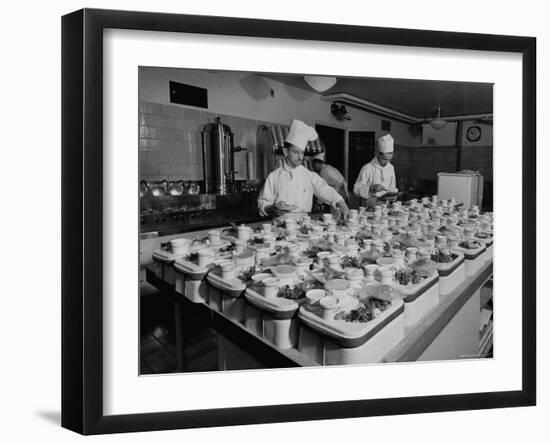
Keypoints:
pixel 82 235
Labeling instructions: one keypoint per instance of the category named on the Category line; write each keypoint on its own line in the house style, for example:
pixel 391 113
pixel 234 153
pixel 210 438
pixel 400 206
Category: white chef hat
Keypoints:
pixel 385 144
pixel 320 156
pixel 300 134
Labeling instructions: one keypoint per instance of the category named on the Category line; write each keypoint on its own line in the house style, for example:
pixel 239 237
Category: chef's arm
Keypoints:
pixel 327 194
pixel 266 199
pixel 362 185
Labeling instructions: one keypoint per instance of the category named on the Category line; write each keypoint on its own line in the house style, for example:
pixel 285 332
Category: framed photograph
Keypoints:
pixel 270 221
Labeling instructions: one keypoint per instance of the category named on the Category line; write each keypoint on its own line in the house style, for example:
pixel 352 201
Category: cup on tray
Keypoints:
pixel 229 271
pixel 206 256
pixel 327 218
pixel 180 246
pixel 329 305
pixel 271 287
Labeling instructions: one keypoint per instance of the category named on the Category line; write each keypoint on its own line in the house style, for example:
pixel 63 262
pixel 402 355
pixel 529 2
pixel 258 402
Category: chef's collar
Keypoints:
pixel 288 168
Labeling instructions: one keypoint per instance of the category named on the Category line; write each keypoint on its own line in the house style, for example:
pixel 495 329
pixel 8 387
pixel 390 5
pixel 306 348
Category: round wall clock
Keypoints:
pixel 473 133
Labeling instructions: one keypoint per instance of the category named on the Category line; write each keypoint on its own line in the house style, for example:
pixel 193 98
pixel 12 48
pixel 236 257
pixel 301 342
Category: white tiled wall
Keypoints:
pixel 170 141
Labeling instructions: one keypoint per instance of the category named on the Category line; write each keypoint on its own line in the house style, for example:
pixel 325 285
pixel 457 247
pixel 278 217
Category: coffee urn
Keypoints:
pixel 218 157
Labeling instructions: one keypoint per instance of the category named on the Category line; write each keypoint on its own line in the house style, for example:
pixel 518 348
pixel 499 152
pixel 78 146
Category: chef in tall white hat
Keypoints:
pixel 290 188
pixel 377 177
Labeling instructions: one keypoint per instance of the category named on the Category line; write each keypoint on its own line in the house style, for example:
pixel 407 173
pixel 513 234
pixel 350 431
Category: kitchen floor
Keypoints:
pixel 158 339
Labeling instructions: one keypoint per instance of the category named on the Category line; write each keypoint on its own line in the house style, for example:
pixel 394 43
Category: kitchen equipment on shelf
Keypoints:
pixel 158 189
pixel 143 188
pixel 176 188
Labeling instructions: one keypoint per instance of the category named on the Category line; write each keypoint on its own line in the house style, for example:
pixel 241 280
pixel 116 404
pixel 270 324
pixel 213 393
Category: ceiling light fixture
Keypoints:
pixel 438 123
pixel 320 83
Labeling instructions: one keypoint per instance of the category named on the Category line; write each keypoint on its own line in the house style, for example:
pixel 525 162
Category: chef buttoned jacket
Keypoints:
pixel 295 186
pixel 374 174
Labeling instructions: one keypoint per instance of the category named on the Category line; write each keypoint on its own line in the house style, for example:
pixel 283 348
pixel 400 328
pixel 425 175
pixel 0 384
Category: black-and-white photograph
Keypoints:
pixel 296 220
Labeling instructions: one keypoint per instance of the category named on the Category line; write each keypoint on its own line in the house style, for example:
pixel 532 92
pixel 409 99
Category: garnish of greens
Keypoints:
pixel 246 275
pixel 305 229
pixel 349 262
pixel 361 314
pixel 398 245
pixel 381 304
pixel 312 252
pixel 193 257
pixel 292 293
pixel 406 275
pixel 469 244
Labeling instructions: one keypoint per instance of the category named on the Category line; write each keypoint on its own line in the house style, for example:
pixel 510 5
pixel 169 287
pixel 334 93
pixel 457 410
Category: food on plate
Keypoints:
pixel 407 275
pixel 198 241
pixel 377 304
pixel 232 230
pixel 362 235
pixel 423 267
pixel 361 314
pixel 410 241
pixel 312 251
pixel 193 257
pixel 284 206
pixel 246 275
pixel 304 229
pixel 365 312
pixel 230 247
pixel 443 256
pixel 469 244
pixel 395 245
pixel 483 235
pixel 292 293
pixel 379 292
pixel 349 262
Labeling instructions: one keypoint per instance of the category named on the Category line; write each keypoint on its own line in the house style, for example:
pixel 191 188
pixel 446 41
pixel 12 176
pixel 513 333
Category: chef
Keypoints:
pixel 377 177
pixel 331 175
pixel 290 188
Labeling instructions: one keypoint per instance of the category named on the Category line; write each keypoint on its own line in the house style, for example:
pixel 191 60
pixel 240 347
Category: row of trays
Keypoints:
pixel 289 323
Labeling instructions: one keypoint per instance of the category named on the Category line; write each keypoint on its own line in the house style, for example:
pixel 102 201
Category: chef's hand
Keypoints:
pixel 343 209
pixel 376 188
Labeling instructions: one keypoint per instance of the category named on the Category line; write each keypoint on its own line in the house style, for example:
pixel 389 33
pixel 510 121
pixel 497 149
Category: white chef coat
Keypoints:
pixel 295 186
pixel 374 174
